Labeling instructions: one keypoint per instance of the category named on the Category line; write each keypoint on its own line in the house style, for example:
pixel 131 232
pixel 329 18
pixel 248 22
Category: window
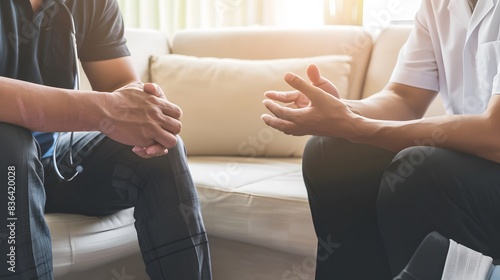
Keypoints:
pixel 301 13
pixel 384 12
pixel 171 15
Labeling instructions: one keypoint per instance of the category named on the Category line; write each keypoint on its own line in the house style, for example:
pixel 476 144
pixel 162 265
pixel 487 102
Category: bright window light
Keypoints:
pixel 172 15
pixel 302 13
pixel 384 12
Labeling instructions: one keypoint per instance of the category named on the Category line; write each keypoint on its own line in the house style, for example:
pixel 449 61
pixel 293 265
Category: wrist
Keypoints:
pixel 93 112
pixel 363 129
pixel 353 105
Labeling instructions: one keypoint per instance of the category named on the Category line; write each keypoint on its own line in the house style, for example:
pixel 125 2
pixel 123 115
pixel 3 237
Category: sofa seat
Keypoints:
pixel 260 201
pixel 81 243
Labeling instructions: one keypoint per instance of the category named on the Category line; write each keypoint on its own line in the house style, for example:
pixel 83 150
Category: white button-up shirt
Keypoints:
pixel 455 52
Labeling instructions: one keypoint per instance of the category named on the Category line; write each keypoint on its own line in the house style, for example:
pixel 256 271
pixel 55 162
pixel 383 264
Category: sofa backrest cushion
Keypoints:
pixel 272 43
pixel 384 56
pixel 222 100
pixel 143 44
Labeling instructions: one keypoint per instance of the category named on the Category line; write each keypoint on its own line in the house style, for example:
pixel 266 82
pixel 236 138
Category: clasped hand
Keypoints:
pixel 140 115
pixel 312 109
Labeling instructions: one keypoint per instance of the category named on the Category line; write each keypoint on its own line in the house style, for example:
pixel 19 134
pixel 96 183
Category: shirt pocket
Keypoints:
pixel 58 57
pixel 487 63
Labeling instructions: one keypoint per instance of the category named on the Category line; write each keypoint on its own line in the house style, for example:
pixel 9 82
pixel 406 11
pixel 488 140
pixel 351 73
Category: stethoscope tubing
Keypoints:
pixel 76 70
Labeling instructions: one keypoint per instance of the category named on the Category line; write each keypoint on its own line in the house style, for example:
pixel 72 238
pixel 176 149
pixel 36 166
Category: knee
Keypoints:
pixel 180 147
pixel 319 161
pixel 334 161
pixel 312 153
pixel 17 143
pixel 409 177
pixel 14 136
pixel 19 152
pixel 320 150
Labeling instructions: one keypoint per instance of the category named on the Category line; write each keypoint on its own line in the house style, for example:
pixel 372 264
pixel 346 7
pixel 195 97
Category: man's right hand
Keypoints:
pixel 297 99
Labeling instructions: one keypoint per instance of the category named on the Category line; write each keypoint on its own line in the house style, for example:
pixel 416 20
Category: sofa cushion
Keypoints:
pixel 222 100
pixel 384 53
pixel 81 243
pixel 265 42
pixel 259 201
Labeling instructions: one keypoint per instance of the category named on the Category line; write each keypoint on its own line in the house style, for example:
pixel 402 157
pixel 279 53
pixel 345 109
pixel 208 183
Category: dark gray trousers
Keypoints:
pixel 169 225
pixel 376 206
pixel 25 246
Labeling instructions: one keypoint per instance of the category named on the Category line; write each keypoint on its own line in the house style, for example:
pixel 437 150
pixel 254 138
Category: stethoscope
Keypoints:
pixel 79 168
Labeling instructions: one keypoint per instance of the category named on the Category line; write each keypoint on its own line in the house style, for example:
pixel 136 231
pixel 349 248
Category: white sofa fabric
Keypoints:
pixel 254 205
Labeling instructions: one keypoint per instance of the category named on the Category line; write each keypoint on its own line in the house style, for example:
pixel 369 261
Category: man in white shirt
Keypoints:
pixel 379 177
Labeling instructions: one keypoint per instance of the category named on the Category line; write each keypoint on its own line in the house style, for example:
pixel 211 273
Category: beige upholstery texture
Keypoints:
pixel 272 43
pixel 388 43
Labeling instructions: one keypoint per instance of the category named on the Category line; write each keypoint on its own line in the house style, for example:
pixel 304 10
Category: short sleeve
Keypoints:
pixel 496 81
pixel 104 32
pixel 416 65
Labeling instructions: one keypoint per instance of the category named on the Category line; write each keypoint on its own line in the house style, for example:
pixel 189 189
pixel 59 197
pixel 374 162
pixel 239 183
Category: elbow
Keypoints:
pixel 492 146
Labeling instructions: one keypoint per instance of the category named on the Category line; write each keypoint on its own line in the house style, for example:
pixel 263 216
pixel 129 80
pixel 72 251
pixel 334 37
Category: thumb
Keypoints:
pixel 314 93
pixel 317 80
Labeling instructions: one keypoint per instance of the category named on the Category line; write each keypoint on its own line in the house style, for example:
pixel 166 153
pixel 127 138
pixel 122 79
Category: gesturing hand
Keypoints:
pixel 315 109
pixel 140 116
pixel 297 99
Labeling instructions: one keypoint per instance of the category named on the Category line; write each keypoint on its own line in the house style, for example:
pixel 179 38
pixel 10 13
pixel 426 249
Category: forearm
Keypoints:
pixel 394 102
pixel 473 134
pixel 41 108
pixel 383 106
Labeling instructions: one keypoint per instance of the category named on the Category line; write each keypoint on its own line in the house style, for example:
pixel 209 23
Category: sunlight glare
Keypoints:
pixel 303 13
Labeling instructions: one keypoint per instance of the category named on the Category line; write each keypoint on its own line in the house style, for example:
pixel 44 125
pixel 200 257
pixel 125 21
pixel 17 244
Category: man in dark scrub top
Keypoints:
pixel 133 157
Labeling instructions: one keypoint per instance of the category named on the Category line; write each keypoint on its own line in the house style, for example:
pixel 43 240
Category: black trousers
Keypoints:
pixel 169 225
pixel 377 206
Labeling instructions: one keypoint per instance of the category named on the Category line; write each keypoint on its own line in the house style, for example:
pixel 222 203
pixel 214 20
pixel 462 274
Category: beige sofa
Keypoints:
pixel 248 176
